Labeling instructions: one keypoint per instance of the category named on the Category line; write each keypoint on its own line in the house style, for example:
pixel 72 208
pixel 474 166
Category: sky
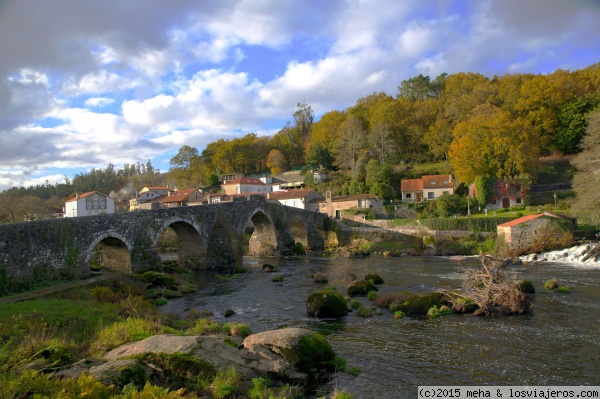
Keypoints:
pixel 84 83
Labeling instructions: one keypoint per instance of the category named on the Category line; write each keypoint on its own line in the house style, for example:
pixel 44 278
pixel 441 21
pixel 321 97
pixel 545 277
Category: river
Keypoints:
pixel 558 344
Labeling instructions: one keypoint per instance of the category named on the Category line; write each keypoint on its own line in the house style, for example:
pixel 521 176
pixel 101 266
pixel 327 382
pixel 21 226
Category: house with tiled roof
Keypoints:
pixel 243 185
pixel 504 194
pixel 179 198
pixel 294 198
pixel 522 233
pixel 428 187
pixel 89 204
pixel 334 206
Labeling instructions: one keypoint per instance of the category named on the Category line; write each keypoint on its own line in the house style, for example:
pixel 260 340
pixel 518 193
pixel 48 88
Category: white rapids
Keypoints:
pixel 573 255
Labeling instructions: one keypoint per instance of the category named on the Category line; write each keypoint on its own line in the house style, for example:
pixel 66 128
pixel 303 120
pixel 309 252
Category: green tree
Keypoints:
pixel 377 173
pixel 421 87
pixel 185 166
pixel 319 156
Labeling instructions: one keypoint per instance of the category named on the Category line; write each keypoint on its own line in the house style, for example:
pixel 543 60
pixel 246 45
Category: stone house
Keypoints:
pixel 521 233
pixel 505 194
pixel 89 204
pixel 147 195
pixel 334 206
pixel 180 198
pixel 427 187
pixel 294 198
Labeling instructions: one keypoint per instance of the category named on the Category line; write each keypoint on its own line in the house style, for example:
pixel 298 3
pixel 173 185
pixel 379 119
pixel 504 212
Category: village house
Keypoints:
pixel 89 204
pixel 334 206
pixel 505 194
pixel 427 187
pixel 179 198
pixel 294 198
pixel 243 185
pixel 521 233
pixel 147 195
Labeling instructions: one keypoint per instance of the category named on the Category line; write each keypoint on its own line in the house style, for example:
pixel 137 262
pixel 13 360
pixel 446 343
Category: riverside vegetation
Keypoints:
pixel 49 345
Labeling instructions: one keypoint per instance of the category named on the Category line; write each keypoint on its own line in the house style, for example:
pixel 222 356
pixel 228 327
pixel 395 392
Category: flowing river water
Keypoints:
pixel 558 344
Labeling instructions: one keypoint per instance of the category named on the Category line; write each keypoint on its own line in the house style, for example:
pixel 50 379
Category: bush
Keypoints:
pixel 551 284
pixel 364 311
pixel 278 278
pixel 158 279
pixel 436 311
pixel 225 384
pixel 205 327
pixel 236 329
pixel 527 287
pixel 299 249
pixel 563 289
pixel 372 295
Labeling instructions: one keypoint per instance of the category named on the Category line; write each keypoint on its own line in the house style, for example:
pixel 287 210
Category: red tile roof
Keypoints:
pixel 437 181
pixel 520 220
pixel 178 195
pixel 411 185
pixel 83 196
pixel 244 180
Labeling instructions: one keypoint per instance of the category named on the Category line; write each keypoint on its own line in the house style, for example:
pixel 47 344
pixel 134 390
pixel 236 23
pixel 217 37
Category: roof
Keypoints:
pixel 520 220
pixel 354 197
pixel 152 188
pixel 437 181
pixel 411 185
pixel 84 195
pixel 528 218
pixel 291 194
pixel 178 195
pixel 244 180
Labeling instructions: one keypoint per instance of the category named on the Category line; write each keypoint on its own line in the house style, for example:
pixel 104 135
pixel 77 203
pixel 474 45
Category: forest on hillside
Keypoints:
pixel 478 127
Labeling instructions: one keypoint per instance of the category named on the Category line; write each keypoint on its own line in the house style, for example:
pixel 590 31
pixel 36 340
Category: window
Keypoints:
pixel 88 205
pixel 446 192
pixel 518 200
pixel 430 195
pixel 408 196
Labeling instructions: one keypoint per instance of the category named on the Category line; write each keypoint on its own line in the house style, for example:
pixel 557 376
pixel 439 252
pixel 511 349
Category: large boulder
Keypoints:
pixel 181 359
pixel 326 304
pixel 375 278
pixel 303 348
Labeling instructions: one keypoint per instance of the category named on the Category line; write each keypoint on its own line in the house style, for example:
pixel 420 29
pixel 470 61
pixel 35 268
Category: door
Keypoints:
pixel 505 202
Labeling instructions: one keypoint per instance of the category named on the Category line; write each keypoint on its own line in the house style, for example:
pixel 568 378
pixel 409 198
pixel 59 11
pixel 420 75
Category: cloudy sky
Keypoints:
pixel 86 82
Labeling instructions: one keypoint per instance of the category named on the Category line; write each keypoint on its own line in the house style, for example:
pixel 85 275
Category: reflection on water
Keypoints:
pixel 559 344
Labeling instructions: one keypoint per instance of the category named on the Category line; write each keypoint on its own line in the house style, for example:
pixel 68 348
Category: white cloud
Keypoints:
pixel 98 102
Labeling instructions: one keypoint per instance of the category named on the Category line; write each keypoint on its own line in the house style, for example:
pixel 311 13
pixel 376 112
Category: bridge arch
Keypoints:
pixel 263 241
pixel 110 250
pixel 191 248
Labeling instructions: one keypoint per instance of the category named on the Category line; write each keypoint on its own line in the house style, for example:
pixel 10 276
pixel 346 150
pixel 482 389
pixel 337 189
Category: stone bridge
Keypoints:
pixel 209 236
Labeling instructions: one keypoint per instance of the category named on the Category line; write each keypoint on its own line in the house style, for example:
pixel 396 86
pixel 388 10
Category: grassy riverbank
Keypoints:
pixel 71 330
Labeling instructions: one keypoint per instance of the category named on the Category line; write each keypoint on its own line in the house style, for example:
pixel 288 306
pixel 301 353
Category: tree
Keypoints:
pixel 351 142
pixel 491 143
pixel 382 142
pixel 421 87
pixel 275 162
pixel 185 166
pixel 303 119
pixel 319 156
pixel 586 181
pixel 327 129
pixel 377 173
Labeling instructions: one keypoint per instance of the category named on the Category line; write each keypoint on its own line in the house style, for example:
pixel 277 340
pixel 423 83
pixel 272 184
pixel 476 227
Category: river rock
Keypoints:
pixel 251 360
pixel 326 304
pixel 301 347
pixel 361 287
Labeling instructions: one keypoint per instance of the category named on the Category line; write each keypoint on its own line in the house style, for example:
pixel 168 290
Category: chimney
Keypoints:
pixel 76 195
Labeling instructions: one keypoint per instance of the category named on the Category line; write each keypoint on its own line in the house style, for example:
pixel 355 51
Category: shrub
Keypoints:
pixel 225 383
pixel 158 279
pixel 103 294
pixel 436 311
pixel 527 287
pixel 277 279
pixel 355 304
pixel 364 311
pixel 261 389
pixel 398 314
pixel 124 331
pixel 551 284
pixel 372 295
pixel 205 327
pixel 299 249
pixel 563 289
pixel 236 329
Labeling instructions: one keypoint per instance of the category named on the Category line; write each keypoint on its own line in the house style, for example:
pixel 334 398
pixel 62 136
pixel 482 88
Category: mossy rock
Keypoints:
pixel 267 267
pixel 361 287
pixel 229 312
pixel 178 368
pixel 417 305
pixel 376 278
pixel 326 304
pixel 526 287
pixel 313 351
pixel 158 279
pixel 299 249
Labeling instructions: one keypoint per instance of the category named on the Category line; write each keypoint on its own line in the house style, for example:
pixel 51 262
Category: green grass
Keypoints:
pixel 383 246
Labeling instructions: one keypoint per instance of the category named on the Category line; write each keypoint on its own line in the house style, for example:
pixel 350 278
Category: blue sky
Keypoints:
pixel 86 83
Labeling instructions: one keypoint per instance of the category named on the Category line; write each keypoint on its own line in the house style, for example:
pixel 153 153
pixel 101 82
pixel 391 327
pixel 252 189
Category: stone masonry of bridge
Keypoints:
pixel 210 236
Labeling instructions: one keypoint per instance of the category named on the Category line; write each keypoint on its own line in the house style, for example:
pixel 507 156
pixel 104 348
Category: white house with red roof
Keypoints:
pixel 89 204
pixel 427 187
pixel 294 198
pixel 243 185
